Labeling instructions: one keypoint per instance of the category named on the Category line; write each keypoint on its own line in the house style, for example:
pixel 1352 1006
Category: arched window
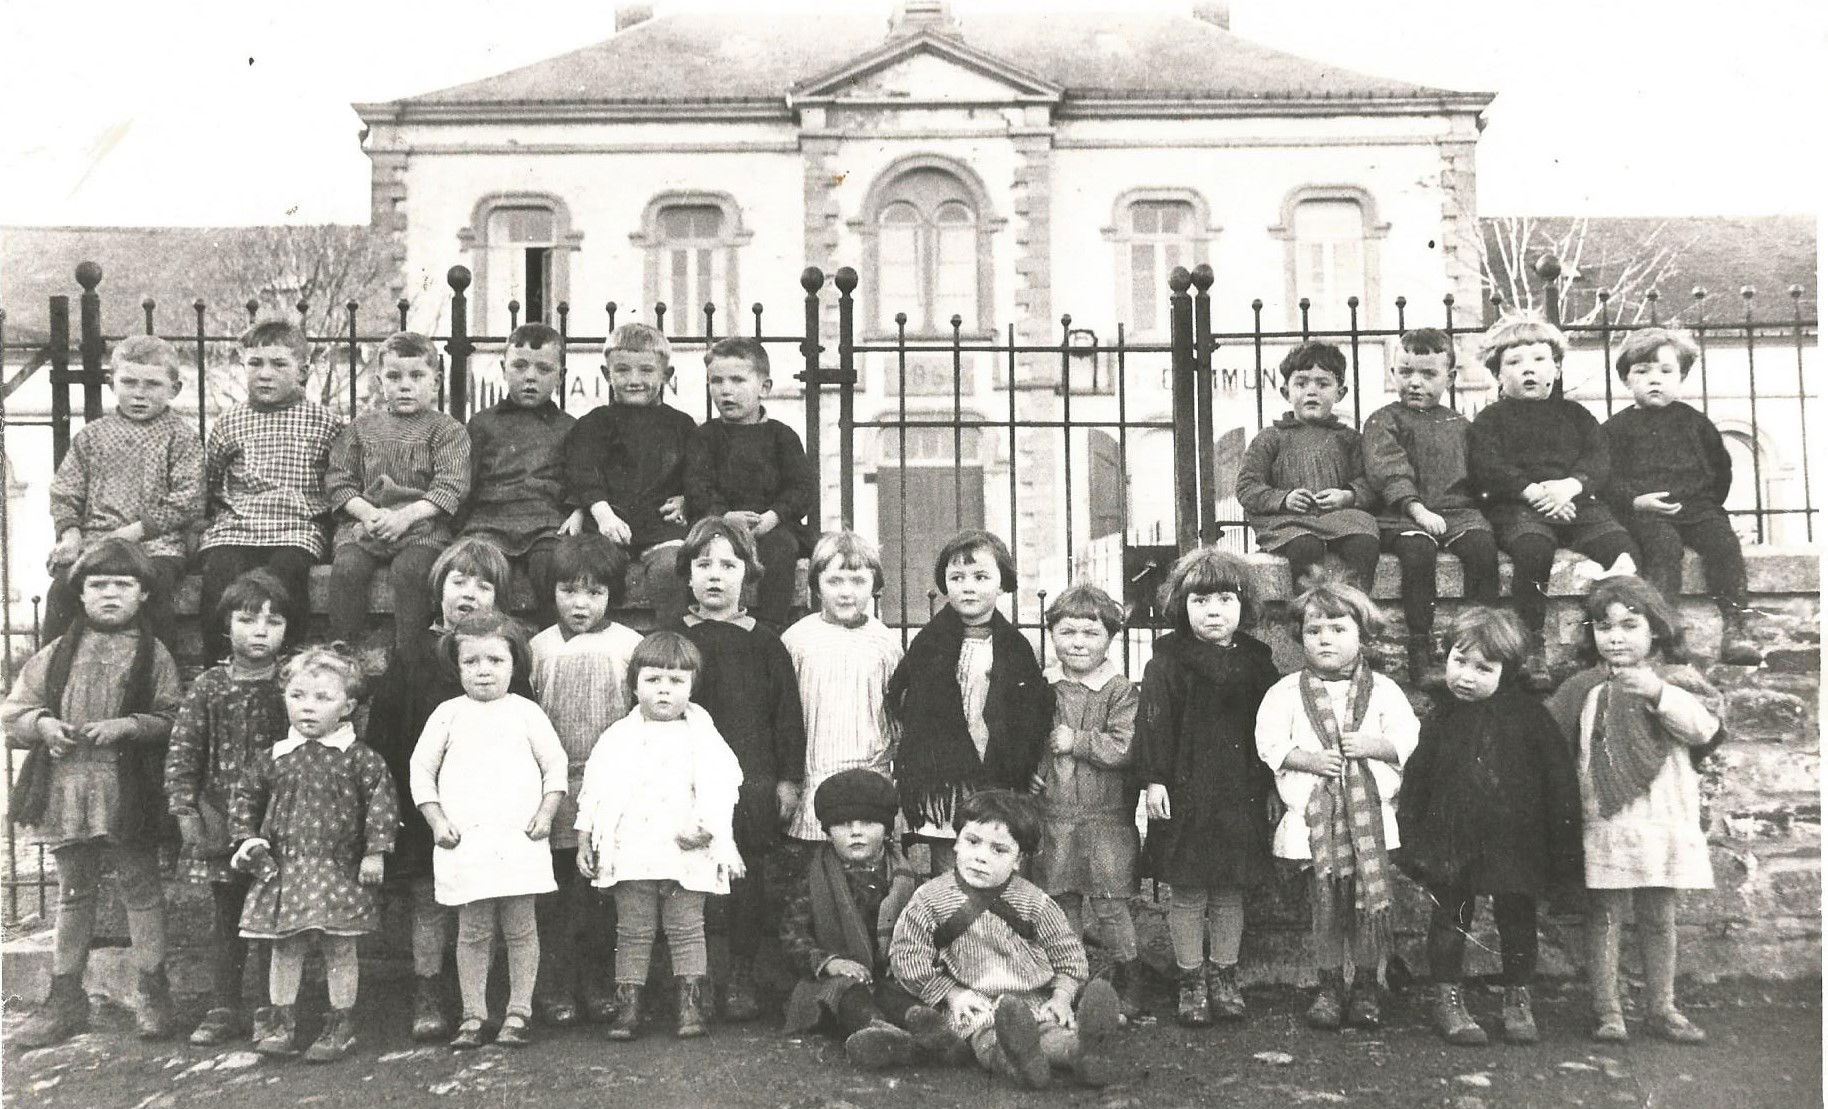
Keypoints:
pixel 1332 236
pixel 926 238
pixel 690 242
pixel 520 247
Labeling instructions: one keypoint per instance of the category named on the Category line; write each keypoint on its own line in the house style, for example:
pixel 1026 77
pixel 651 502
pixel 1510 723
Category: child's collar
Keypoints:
pixel 740 618
pixel 1093 679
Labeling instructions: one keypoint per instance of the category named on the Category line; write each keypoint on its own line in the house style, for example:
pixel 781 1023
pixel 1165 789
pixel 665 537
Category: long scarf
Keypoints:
pixel 1628 746
pixel 140 813
pixel 836 922
pixel 977 903
pixel 1345 819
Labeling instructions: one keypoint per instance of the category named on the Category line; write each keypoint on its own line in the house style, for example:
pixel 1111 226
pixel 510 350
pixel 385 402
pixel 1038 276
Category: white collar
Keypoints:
pixel 339 739
pixel 1094 680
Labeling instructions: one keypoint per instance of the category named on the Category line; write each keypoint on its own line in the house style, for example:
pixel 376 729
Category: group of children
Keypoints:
pixel 949 818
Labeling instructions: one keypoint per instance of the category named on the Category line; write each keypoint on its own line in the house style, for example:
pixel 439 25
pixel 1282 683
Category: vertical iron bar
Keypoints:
pixel 846 280
pixel 1256 346
pixel 1700 342
pixel 1014 494
pixel 6 645
pixel 1606 343
pixel 60 377
pixel 1205 435
pixel 812 279
pixel 149 306
pixel 1358 382
pixel 199 308
pixel 1066 437
pixel 401 306
pixel 1186 463
pixel 564 311
pixel 1304 306
pixel 1802 410
pixel 1751 371
pixel 901 499
pixel 354 355
pixel 94 351
pixel 710 312
pixel 1123 469
pixel 1453 387
pixel 958 429
pixel 756 308
pixel 459 347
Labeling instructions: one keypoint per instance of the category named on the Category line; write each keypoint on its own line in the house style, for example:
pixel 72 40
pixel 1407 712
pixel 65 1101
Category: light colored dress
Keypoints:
pixel 579 682
pixel 1283 727
pixel 844 676
pixel 489 764
pixel 1656 839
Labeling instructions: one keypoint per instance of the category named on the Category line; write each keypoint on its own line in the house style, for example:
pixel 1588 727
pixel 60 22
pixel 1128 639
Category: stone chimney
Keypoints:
pixel 1215 12
pixel 914 16
pixel 627 15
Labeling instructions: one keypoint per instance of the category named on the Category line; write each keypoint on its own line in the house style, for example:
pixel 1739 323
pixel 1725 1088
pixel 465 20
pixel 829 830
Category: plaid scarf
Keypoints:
pixel 1345 820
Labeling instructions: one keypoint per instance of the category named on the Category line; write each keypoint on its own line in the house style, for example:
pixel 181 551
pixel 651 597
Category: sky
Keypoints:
pixel 217 113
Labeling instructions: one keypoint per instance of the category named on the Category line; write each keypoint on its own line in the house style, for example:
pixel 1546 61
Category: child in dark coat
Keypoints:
pixel 838 923
pixel 1208 793
pixel 1489 806
pixel 972 705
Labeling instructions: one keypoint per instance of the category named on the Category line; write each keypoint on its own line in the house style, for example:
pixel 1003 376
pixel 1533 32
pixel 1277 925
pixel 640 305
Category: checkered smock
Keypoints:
pixel 264 470
pixel 120 471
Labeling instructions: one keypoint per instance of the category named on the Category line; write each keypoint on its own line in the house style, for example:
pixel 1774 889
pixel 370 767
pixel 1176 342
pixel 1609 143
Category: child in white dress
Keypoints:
pixel 488 774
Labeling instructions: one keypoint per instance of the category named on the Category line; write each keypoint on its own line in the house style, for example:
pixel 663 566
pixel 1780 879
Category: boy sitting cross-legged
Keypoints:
pixel 1001 957
pixel 837 926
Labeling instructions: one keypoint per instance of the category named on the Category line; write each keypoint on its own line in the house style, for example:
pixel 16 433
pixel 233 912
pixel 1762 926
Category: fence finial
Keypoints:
pixel 812 279
pixel 1179 279
pixel 1547 267
pixel 458 278
pixel 1203 277
pixel 846 280
pixel 88 275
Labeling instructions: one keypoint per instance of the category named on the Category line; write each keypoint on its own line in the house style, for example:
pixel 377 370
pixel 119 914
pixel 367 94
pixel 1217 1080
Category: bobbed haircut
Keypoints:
pixel 1643 598
pixel 411 344
pixel 1519 331
pixel 1314 355
pixel 744 348
pixel 488 625
pixel 663 650
pixel 114 558
pixel 147 350
pixel 1429 340
pixel 710 528
pixel 638 338
pixel 1015 811
pixel 533 336
pixel 1495 633
pixel 278 333
pixel 1643 344
pixel 967 543
pixel 1210 570
pixel 257 589
pixel 591 557
pixel 336 660
pixel 475 556
pixel 851 552
pixel 1086 601
pixel 1331 600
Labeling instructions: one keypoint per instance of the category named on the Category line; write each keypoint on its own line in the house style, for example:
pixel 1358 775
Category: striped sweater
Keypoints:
pixel 993 956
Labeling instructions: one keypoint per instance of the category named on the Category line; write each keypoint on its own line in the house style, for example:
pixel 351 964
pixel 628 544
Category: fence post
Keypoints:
pixel 459 346
pixel 94 351
pixel 846 280
pixel 1206 436
pixel 812 279
pixel 1186 425
pixel 60 377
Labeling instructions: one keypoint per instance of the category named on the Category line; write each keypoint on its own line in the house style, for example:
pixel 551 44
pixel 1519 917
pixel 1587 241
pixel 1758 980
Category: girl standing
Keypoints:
pixel 1208 793
pixel 1639 718
pixel 97 703
pixel 654 826
pixel 314 818
pixel 1489 806
pixel 488 774
pixel 232 713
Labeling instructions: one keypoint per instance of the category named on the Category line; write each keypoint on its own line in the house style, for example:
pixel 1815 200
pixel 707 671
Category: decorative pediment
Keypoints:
pixel 927 68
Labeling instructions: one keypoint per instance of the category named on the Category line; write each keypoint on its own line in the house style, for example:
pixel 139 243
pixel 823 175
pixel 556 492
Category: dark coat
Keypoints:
pixel 1490 800
pixel 1196 733
pixel 936 763
pixel 751 468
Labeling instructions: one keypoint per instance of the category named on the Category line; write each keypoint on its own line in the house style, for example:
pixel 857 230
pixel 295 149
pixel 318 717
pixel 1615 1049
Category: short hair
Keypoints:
pixel 1643 344
pixel 533 336
pixel 970 542
pixel 1086 601
pixel 742 347
pixel 252 591
pixel 663 650
pixel 1015 811
pixel 590 556
pixel 147 350
pixel 1643 598
pixel 411 344
pixel 1333 599
pixel 1495 633
pixel 638 338
pixel 1211 570
pixel 335 659
pixel 278 333
pixel 473 555
pixel 850 551
pixel 1314 355
pixel 700 535
pixel 1429 340
pixel 1519 331
pixel 114 558
pixel 488 625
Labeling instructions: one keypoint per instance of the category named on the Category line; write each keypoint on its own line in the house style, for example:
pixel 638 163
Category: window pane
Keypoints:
pixel 898 276
pixel 955 279
pixel 692 221
pixel 1143 293
pixel 1144 219
pixel 679 290
pixel 900 214
pixel 1329 219
pixel 953 213
pixel 521 225
pixel 702 257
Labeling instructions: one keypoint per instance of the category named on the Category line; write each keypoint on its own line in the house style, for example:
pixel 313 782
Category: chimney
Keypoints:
pixel 1215 12
pixel 627 15
pixel 914 16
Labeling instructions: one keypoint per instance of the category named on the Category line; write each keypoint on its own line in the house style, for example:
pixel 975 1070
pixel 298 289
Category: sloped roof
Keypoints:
pixel 1720 254
pixel 705 57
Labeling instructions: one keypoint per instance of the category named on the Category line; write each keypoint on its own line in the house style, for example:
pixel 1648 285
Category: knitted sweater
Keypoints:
pixel 1675 450
pixel 1517 443
pixel 1025 943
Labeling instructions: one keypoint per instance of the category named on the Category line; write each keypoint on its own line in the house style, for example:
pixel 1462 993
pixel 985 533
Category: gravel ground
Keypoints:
pixel 1765 1051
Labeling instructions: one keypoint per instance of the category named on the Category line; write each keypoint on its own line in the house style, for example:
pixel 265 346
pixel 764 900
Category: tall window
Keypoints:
pixel 1329 259
pixel 692 264
pixel 1159 239
pixel 927 254
pixel 522 241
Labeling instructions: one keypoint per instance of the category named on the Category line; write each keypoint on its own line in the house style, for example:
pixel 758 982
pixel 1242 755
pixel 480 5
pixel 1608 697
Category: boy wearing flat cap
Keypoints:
pixel 836 931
